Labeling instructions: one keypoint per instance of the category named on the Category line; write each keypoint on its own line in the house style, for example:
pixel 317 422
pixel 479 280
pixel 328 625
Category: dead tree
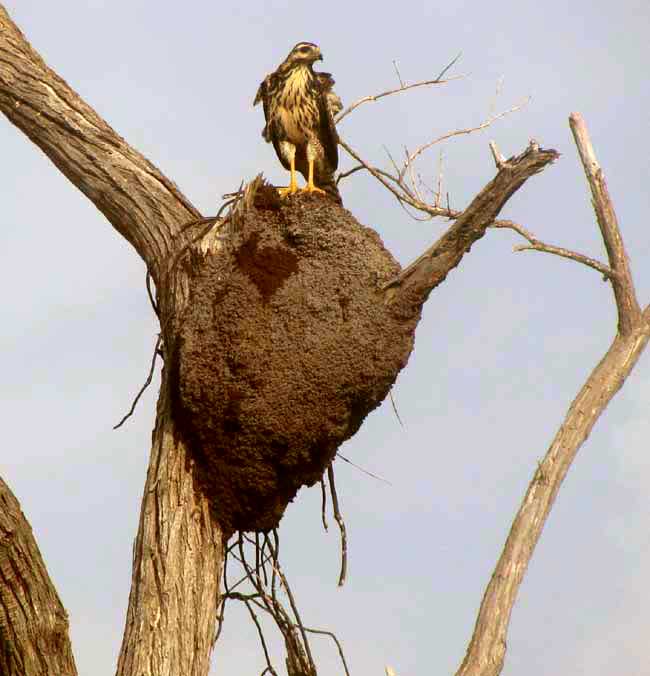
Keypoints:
pixel 283 323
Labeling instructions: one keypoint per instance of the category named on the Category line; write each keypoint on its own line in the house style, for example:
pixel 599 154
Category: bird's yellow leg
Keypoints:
pixel 293 184
pixel 310 187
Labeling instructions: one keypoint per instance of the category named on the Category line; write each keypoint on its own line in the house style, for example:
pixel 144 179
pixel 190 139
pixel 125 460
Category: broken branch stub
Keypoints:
pixel 294 332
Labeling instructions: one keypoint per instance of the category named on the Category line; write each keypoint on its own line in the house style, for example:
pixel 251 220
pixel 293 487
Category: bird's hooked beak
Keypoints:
pixel 320 56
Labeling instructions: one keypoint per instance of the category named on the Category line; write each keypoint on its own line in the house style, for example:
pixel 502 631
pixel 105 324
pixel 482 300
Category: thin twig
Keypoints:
pixel 221 616
pixel 276 565
pixel 292 629
pixel 376 97
pixel 221 608
pixel 397 185
pixel 392 161
pixel 399 77
pixel 398 192
pixel 451 64
pixel 438 193
pixel 607 273
pixel 260 633
pixel 341 523
pixel 152 300
pixel 362 469
pixel 294 608
pixel 392 401
pixel 209 222
pixel 338 645
pixel 535 244
pixel 245 578
pixel 459 132
pixel 345 174
pixel 147 382
pixel 323 491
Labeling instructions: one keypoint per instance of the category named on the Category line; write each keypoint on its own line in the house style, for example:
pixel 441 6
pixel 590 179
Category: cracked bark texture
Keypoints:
pixel 33 623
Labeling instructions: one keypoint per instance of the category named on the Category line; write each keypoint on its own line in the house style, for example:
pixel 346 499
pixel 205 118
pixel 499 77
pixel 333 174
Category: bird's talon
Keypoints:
pixel 289 190
pixel 313 188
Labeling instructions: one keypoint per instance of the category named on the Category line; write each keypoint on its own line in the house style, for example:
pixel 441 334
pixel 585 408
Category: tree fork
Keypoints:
pixel 178 552
pixel 179 547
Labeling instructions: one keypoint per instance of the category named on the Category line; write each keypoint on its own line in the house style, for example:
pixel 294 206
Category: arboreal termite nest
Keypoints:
pixel 287 344
pixel 296 329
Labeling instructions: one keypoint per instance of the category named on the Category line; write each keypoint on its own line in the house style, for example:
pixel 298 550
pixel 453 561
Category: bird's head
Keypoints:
pixel 304 53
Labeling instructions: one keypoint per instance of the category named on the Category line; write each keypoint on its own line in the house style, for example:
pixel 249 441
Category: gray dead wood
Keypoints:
pixel 486 651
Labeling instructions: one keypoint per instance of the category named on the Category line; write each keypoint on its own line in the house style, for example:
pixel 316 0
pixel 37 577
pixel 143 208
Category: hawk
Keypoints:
pixel 299 107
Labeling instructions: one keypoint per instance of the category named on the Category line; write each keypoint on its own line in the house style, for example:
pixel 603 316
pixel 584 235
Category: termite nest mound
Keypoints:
pixel 287 344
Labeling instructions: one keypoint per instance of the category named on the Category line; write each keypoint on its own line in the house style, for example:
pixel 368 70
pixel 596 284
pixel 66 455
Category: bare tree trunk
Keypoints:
pixel 33 624
pixel 178 557
pixel 178 553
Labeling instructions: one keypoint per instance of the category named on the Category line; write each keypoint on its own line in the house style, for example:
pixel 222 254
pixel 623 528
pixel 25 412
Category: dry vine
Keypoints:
pixel 259 558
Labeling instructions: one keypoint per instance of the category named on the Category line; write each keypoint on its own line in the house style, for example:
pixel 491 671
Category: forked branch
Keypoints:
pixel 431 268
pixel 486 651
pixel 402 88
pixel 626 302
pixel 534 244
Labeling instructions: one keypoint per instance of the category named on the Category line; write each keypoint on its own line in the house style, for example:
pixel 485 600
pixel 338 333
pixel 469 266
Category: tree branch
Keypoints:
pixel 626 303
pixel 34 639
pixel 486 651
pixel 143 205
pixel 178 553
pixel 411 157
pixel 432 267
pixel 535 244
pixel 401 88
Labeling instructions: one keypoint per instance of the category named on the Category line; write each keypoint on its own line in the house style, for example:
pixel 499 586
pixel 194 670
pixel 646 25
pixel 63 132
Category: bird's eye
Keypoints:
pixel 304 49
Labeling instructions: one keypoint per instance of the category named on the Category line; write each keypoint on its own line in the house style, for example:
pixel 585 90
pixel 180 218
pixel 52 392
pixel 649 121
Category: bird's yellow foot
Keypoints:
pixel 291 189
pixel 312 188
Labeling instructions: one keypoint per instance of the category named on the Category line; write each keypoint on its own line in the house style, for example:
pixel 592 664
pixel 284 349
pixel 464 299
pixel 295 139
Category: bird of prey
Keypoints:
pixel 299 106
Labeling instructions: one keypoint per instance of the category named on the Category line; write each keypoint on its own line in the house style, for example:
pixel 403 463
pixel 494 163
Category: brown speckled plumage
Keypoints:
pixel 299 106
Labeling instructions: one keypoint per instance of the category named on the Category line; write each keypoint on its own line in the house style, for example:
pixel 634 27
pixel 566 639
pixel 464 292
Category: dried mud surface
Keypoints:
pixel 286 347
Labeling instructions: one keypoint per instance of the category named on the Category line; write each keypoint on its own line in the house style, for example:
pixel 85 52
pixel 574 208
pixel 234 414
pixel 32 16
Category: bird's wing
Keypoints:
pixel 327 130
pixel 263 97
pixel 261 92
pixel 269 133
pixel 327 83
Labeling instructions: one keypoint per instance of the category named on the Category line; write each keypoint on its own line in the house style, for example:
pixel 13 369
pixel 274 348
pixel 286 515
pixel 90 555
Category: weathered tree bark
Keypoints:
pixel 33 623
pixel 486 651
pixel 179 551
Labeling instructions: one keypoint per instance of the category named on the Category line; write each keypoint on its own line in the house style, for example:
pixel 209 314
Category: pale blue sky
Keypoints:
pixel 503 346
